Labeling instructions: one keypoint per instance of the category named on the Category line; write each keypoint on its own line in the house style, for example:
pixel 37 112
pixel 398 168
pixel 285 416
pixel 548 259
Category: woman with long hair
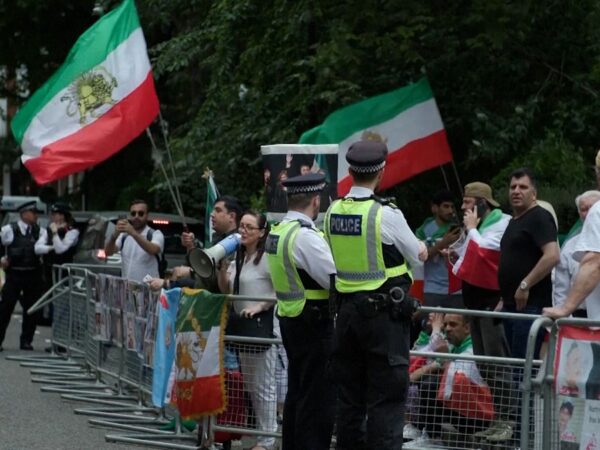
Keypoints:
pixel 249 275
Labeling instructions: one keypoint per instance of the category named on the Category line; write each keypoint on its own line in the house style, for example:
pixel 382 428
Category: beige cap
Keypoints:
pixel 598 159
pixel 480 190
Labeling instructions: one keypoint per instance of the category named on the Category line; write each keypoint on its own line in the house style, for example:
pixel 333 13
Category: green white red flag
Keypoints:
pixel 199 379
pixel 407 120
pixel 98 101
pixel 212 194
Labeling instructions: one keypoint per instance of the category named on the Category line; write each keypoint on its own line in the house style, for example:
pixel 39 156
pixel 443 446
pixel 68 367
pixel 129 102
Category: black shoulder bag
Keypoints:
pixel 259 326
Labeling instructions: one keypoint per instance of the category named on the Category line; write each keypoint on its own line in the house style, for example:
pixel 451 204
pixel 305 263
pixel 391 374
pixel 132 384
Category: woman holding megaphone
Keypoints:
pixel 249 275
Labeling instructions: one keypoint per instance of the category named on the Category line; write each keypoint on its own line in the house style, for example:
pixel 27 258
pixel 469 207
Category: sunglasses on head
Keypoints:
pixel 137 213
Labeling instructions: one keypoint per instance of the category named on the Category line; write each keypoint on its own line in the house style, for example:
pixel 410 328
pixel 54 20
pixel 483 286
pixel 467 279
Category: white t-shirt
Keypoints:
pixel 136 263
pixel 590 242
pixel 254 280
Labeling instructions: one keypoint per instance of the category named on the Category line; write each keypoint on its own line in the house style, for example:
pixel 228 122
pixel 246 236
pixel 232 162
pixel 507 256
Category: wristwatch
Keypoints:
pixel 523 286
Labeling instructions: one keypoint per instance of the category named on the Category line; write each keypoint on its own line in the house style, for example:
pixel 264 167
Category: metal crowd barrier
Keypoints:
pixel 116 382
pixel 545 394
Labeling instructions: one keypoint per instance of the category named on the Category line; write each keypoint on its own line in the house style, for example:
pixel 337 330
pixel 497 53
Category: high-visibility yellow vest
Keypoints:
pixel 289 289
pixel 353 229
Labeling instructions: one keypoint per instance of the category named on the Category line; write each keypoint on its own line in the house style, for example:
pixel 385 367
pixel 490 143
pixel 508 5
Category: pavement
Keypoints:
pixel 32 419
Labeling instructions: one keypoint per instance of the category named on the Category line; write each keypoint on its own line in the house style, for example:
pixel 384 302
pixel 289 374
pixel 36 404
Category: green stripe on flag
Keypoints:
pixel 211 197
pixel 199 310
pixel 346 121
pixel 90 50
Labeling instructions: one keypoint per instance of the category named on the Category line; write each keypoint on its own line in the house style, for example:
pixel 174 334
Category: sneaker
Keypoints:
pixel 424 442
pixel 493 429
pixel 410 432
pixel 503 432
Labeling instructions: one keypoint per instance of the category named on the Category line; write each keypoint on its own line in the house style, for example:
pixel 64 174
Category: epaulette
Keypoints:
pixel 385 201
pixel 305 224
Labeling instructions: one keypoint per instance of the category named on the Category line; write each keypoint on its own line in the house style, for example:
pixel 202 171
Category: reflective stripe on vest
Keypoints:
pixel 353 229
pixel 289 289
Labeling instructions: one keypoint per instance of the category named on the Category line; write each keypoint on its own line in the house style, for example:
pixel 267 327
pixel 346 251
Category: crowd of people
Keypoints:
pixel 358 373
pixel 343 309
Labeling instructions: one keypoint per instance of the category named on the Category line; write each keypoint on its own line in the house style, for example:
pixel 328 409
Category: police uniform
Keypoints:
pixel 301 267
pixel 58 249
pixel 24 280
pixel 372 247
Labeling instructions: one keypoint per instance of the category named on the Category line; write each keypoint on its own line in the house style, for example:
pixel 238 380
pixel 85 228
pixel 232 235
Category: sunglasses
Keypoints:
pixel 137 213
pixel 244 227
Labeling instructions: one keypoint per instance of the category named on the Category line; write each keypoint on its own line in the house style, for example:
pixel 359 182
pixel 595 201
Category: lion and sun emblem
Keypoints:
pixel 88 93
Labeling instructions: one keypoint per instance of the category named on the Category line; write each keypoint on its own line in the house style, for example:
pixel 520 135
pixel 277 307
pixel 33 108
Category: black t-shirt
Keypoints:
pixel 520 250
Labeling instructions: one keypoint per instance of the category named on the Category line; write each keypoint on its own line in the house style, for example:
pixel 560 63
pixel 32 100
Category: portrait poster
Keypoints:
pixel 283 161
pixel 577 387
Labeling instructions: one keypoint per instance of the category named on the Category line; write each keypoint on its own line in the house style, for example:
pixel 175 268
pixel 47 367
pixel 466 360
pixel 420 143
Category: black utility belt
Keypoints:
pixel 24 269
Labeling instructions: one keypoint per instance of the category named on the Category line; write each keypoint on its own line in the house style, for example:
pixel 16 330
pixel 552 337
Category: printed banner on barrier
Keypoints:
pixel 577 387
pixel 164 347
pixel 200 385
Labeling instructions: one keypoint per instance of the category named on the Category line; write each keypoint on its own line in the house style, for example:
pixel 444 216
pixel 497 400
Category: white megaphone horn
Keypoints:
pixel 203 262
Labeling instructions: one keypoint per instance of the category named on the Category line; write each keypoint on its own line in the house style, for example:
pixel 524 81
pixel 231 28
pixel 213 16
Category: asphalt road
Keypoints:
pixel 31 419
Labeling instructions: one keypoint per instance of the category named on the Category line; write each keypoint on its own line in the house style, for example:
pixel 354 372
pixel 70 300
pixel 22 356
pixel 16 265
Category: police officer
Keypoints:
pixel 59 247
pixel 301 267
pixel 24 280
pixel 372 246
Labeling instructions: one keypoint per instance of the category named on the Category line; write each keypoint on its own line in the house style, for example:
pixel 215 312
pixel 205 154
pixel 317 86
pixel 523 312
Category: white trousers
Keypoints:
pixel 258 370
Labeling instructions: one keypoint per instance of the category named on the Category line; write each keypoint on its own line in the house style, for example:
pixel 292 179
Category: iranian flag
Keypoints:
pixel 98 101
pixel 212 194
pixel 406 119
pixel 462 388
pixel 479 254
pixel 199 378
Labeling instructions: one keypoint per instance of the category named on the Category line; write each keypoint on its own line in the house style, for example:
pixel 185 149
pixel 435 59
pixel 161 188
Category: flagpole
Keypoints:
pixel 178 206
pixel 163 128
pixel 445 177
pixel 460 185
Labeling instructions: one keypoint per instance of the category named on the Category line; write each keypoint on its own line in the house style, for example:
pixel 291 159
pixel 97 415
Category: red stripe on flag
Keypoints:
pixel 203 396
pixel 415 157
pixel 99 140
pixel 454 283
pixel 480 266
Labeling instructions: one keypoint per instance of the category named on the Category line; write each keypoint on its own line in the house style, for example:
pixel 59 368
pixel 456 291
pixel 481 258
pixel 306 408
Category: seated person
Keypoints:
pixel 431 339
pixel 452 393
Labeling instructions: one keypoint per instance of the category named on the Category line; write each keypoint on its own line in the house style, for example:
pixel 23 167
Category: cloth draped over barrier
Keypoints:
pixel 200 328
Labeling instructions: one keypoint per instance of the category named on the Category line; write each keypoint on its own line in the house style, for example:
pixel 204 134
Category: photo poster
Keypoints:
pixel 102 309
pixel 577 387
pixel 283 161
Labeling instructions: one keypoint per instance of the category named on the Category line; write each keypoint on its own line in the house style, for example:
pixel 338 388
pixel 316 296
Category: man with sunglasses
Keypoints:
pixel 139 244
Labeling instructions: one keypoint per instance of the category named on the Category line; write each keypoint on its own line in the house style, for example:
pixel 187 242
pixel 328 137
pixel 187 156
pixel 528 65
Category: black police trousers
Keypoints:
pixel 370 363
pixel 25 286
pixel 309 409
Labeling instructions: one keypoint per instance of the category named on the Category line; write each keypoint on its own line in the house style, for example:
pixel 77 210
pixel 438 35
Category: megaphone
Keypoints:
pixel 203 262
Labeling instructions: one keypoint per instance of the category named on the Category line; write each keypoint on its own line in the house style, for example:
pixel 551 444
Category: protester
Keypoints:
pixel 372 246
pixel 453 393
pixel 249 275
pixel 301 266
pixel 438 232
pixel 139 244
pixel 431 339
pixel 224 218
pixel 529 252
pixel 477 266
pixel 586 284
pixel 24 274
pixel 566 270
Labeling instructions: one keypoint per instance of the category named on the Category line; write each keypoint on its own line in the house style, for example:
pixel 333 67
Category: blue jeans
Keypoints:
pixel 517 331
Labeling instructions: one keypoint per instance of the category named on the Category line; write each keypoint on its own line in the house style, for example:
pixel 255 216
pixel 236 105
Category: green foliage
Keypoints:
pixel 516 83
